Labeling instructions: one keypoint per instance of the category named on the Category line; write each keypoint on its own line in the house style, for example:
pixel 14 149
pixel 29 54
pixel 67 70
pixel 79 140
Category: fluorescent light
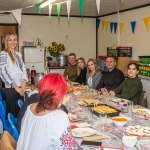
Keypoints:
pixel 47 3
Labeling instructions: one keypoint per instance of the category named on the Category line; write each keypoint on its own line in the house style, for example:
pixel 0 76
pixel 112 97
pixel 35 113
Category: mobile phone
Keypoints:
pixel 91 143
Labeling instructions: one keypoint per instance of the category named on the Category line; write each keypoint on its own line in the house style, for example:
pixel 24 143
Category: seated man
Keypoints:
pixel 32 98
pixel 71 69
pixel 112 78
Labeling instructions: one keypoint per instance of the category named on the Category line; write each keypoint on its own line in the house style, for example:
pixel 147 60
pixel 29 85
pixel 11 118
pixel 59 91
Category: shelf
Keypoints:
pixel 143 77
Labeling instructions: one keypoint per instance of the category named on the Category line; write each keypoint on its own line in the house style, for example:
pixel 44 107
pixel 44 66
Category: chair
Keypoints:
pixel 5 122
pixel 1 99
pixel 20 103
pixel 143 99
pixel 12 120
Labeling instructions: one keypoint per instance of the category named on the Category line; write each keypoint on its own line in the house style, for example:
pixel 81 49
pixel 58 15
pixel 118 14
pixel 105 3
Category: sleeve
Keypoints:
pixel 101 83
pixel 24 77
pixel 134 89
pixel 119 78
pixel 118 90
pixel 4 72
pixel 65 140
pixel 97 80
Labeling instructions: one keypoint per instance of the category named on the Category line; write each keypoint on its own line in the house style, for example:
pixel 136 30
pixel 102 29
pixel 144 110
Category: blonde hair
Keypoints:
pixel 96 66
pixel 7 47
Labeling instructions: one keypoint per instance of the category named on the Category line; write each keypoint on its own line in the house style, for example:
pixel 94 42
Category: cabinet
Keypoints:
pixel 122 64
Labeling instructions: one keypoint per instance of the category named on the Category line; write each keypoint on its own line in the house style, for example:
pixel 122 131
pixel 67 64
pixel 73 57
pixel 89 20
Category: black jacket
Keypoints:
pixel 82 76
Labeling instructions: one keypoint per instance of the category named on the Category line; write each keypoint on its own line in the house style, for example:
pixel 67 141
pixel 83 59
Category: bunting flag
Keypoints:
pixel 68 8
pixel 111 26
pixel 133 25
pixel 121 26
pixel 98 21
pixel 50 10
pixel 115 27
pixel 147 23
pixel 17 15
pixel 106 25
pixel 81 2
pixel 38 6
pixel 98 2
pixel 58 11
pixel 103 25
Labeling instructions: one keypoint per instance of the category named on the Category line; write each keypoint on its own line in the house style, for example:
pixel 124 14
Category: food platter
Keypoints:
pixel 141 111
pixel 138 130
pixel 89 102
pixel 83 132
pixel 120 101
pixel 105 109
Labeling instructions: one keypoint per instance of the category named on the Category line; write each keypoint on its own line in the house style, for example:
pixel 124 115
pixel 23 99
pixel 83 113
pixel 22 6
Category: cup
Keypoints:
pixel 129 107
pixel 103 122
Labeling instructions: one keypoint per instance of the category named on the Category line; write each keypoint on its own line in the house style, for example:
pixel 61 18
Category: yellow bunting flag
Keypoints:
pixel 147 23
pixel 106 25
pixel 121 26
pixel 103 24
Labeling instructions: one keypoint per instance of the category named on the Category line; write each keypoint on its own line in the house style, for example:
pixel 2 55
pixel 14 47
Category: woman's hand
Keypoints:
pixel 104 91
pixel 23 88
pixel 112 93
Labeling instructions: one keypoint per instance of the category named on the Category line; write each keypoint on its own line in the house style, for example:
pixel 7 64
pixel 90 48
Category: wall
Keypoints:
pixel 140 40
pixel 79 36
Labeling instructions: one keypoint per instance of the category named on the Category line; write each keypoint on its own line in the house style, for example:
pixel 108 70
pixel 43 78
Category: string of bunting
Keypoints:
pixel 114 26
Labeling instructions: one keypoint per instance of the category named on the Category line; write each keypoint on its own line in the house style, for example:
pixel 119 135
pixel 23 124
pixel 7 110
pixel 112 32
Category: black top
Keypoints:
pixel 28 101
pixel 111 80
pixel 82 76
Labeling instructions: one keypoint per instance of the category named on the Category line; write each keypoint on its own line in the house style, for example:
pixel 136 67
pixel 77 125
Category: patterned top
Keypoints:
pixel 48 132
pixel 12 72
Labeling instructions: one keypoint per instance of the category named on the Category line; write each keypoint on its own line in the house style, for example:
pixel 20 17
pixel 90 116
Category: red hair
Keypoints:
pixel 52 88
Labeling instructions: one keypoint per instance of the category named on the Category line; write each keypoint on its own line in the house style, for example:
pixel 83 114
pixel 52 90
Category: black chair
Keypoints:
pixel 143 99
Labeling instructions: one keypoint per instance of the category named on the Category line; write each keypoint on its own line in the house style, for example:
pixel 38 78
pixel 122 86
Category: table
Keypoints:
pixel 117 133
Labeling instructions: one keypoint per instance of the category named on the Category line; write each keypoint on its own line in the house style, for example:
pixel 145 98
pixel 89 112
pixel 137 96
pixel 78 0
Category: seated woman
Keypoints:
pixel 45 126
pixel 93 74
pixel 131 88
pixel 81 78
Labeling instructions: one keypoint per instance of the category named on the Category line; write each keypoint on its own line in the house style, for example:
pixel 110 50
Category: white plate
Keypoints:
pixel 142 111
pixel 82 132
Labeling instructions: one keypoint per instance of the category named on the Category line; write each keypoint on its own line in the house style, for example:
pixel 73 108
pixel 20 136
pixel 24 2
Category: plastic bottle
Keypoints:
pixel 33 74
pixel 1 128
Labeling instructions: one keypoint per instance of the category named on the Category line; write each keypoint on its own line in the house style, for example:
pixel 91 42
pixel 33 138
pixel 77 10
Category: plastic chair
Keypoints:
pixel 20 103
pixel 6 124
pixel 12 120
pixel 1 99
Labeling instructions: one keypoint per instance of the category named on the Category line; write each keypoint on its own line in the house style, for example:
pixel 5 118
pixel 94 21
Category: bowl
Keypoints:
pixel 129 141
pixel 120 121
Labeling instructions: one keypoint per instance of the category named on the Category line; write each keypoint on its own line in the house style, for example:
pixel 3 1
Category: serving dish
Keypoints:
pixel 83 132
pixel 105 109
pixel 138 130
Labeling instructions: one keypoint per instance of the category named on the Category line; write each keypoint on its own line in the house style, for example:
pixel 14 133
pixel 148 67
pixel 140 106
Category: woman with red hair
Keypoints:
pixel 45 126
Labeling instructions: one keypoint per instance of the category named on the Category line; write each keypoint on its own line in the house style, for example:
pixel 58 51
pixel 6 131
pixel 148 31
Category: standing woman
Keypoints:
pixel 93 74
pixel 81 78
pixel 13 73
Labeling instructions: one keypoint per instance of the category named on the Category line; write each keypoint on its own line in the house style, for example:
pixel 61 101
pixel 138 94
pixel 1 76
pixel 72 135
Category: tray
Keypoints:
pixel 108 114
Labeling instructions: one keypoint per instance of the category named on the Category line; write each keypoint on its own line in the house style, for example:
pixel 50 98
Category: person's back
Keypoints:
pixel 47 132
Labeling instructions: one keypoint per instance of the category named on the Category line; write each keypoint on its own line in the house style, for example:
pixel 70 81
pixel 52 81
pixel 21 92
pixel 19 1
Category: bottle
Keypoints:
pixel 33 74
pixel 1 128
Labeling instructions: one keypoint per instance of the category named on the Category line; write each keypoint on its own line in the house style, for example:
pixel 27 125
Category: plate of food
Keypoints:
pixel 89 102
pixel 138 130
pixel 83 132
pixel 141 111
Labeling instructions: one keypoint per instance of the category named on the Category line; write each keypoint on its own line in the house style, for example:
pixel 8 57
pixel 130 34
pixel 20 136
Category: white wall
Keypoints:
pixel 140 40
pixel 79 36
